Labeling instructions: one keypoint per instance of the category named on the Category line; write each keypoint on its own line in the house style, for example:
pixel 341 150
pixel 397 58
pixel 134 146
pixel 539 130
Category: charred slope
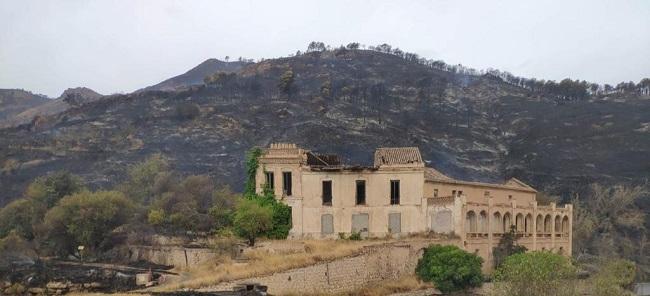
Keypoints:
pixel 195 75
pixel 346 103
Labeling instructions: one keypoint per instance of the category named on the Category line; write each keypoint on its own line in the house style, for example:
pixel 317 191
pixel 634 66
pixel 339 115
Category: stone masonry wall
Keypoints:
pixel 347 274
pixel 171 255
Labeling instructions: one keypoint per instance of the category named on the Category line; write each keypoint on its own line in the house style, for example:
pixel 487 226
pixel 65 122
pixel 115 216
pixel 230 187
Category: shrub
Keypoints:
pixel 21 216
pixel 355 235
pixel 145 177
pixel 613 277
pixel 281 221
pixel 51 188
pixel 535 273
pixel 252 220
pixel 85 218
pixel 187 111
pixel 156 217
pixel 449 268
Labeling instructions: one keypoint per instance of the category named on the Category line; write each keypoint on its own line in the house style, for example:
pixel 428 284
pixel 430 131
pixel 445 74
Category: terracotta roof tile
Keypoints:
pixel 398 156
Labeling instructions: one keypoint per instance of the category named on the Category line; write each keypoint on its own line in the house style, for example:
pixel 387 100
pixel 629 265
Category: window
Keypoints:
pixel 435 192
pixel 460 192
pixel 394 192
pixel 453 193
pixel 269 179
pixel 486 194
pixel 327 193
pixel 286 183
pixel 361 192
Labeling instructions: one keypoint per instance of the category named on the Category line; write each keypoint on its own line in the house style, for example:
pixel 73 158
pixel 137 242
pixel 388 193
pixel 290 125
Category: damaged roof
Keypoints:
pixel 398 156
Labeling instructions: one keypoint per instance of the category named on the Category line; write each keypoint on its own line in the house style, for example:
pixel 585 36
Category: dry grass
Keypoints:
pixel 403 284
pixel 263 262
pixel 103 294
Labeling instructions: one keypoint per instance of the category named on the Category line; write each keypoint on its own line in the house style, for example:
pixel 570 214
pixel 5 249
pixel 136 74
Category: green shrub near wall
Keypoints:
pixel 449 268
pixel 281 213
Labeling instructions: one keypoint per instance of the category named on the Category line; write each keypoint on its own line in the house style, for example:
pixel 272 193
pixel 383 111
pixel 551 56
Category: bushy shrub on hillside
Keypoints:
pixel 21 216
pixel 50 189
pixel 85 218
pixel 535 273
pixel 449 268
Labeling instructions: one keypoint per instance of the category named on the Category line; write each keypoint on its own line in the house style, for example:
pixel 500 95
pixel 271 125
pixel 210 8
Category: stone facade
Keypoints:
pixel 399 195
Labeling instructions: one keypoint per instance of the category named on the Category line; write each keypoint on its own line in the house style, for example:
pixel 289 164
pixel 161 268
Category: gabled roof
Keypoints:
pixel 518 183
pixel 431 174
pixel 398 156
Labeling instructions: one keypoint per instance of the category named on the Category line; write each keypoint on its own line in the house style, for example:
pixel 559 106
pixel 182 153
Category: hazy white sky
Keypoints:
pixel 120 46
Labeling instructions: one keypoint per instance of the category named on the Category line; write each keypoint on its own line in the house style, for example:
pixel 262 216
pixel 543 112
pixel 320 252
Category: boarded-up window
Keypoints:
pixel 360 224
pixel 286 183
pixel 269 180
pixel 361 192
pixel 394 192
pixel 327 224
pixel 441 221
pixel 395 223
pixel 327 193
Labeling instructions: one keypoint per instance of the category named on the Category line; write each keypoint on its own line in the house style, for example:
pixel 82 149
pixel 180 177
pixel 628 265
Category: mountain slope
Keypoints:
pixel 195 75
pixel 351 102
pixel 14 101
pixel 71 97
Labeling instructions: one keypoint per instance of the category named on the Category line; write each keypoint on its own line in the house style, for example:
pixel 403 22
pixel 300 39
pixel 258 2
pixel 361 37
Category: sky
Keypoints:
pixel 123 45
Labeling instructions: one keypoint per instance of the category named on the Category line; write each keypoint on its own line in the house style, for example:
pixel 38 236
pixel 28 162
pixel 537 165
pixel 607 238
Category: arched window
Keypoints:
pixel 519 222
pixel 507 221
pixel 558 224
pixel 529 223
pixel 547 224
pixel 482 222
pixel 540 223
pixel 565 225
pixel 496 223
pixel 470 222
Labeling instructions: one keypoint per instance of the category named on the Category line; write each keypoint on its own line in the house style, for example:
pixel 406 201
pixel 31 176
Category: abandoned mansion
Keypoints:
pixel 399 195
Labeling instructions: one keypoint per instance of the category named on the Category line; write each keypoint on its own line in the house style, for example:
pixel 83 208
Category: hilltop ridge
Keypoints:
pixel 470 127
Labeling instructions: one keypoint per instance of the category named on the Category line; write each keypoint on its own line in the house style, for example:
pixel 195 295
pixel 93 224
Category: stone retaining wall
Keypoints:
pixel 177 256
pixel 347 274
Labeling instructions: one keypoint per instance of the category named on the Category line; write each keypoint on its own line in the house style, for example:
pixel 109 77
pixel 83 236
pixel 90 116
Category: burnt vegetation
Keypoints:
pixel 478 125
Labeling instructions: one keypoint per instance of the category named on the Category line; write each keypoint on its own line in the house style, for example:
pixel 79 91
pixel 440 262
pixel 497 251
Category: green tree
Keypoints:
pixel 251 220
pixel 21 216
pixel 535 274
pixel 156 217
pixel 49 189
pixel 144 177
pixel 507 246
pixel 223 203
pixel 286 83
pixel 85 218
pixel 449 268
